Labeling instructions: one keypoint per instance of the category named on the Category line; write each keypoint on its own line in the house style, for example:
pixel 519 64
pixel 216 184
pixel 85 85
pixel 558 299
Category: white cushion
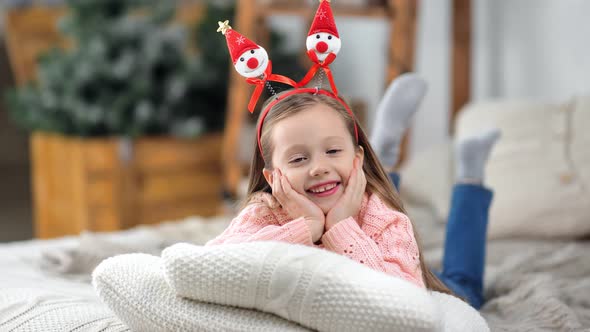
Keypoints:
pixel 539 170
pixel 424 185
pixel 538 167
pixel 316 288
pixel 579 151
pixel 134 288
pixel 456 315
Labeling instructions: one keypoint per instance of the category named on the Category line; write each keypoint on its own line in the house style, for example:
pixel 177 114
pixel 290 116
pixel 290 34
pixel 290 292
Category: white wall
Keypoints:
pixel 532 48
pixel 538 49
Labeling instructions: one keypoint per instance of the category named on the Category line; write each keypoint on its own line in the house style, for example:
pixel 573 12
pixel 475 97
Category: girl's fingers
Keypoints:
pixel 352 180
pixel 286 186
pixel 277 190
pixel 289 194
pixel 358 185
pixel 362 183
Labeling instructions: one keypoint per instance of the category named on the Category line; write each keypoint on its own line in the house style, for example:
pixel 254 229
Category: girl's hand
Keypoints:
pixel 298 205
pixel 350 203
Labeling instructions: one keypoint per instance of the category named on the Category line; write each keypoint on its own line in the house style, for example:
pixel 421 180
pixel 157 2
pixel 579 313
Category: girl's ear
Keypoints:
pixel 360 153
pixel 267 175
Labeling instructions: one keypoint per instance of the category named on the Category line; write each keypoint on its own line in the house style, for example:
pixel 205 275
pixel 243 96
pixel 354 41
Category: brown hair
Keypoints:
pixel 377 180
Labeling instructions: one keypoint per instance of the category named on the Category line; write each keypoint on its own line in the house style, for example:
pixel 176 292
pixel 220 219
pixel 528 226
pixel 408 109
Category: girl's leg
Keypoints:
pixel 394 177
pixel 465 241
pixel 393 115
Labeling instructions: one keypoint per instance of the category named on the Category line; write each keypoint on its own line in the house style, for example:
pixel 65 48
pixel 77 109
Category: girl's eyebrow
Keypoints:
pixel 337 138
pixel 299 147
pixel 294 148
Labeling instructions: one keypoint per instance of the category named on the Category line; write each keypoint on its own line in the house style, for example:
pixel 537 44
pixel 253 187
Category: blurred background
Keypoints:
pixel 124 112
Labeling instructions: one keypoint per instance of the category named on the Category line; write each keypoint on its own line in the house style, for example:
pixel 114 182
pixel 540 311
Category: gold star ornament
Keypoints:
pixel 223 26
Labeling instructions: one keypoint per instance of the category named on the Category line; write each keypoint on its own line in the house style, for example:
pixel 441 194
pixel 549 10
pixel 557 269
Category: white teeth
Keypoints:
pixel 323 188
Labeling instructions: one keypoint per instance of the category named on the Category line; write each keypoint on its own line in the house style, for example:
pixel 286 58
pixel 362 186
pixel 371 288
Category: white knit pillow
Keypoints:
pixel 316 288
pixel 134 288
pixel 539 170
pixel 457 316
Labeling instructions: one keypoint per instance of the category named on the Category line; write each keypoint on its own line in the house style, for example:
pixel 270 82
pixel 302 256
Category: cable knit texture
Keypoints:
pixel 134 287
pixel 382 239
pixel 337 295
pixel 34 310
pixel 315 288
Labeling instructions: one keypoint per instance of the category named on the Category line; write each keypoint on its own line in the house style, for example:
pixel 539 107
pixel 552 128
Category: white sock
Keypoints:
pixel 399 103
pixel 472 155
pixel 313 287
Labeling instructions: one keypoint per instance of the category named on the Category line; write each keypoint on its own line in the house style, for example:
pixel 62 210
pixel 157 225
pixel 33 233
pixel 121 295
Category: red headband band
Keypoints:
pixel 292 92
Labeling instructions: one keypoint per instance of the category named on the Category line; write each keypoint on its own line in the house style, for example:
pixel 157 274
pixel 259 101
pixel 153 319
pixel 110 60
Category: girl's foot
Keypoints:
pixel 399 103
pixel 472 155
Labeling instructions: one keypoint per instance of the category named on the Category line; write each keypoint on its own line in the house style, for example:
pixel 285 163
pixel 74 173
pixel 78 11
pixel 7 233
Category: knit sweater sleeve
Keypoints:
pixel 391 248
pixel 256 222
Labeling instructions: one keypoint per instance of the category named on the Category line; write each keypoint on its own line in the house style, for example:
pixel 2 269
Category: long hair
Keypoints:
pixel 377 180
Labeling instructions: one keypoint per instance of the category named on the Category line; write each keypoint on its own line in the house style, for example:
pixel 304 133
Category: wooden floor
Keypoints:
pixel 15 204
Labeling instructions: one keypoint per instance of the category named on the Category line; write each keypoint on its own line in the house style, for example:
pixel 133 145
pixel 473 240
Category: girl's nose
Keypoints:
pixel 318 170
pixel 252 63
pixel 321 47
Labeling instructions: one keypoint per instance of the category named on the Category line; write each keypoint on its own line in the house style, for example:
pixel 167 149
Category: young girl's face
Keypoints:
pixel 315 151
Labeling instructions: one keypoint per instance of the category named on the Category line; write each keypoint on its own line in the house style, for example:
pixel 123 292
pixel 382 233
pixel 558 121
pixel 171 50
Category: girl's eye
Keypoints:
pixel 297 160
pixel 333 151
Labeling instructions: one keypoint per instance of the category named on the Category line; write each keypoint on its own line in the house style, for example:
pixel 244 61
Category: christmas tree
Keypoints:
pixel 128 73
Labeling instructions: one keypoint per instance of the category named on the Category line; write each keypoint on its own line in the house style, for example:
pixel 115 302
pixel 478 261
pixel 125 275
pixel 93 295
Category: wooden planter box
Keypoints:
pixel 107 184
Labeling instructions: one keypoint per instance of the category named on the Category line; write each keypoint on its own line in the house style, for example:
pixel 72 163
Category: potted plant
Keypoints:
pixel 125 123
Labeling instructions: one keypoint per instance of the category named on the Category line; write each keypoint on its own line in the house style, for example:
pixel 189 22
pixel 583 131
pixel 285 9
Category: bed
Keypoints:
pixel 531 285
pixel 537 269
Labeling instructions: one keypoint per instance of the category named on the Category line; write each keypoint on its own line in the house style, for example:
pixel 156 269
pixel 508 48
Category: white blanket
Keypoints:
pixel 530 285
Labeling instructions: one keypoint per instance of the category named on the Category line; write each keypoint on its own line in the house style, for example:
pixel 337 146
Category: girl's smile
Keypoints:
pixel 324 189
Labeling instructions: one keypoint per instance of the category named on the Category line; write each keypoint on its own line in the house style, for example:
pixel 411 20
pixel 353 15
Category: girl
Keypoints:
pixel 315 180
pixel 313 183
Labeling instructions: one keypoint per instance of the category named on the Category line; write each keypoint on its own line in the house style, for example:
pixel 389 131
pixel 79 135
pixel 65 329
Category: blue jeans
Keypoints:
pixel 465 241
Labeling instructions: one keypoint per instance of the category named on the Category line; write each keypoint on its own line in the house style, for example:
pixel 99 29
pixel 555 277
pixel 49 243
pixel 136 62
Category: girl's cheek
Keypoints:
pixel 297 184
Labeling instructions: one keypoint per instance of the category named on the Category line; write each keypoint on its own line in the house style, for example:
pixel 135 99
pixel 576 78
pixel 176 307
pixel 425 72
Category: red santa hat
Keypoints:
pixel 237 44
pixel 323 20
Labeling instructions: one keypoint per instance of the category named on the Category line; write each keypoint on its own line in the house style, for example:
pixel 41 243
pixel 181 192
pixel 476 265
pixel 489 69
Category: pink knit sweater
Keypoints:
pixel 384 240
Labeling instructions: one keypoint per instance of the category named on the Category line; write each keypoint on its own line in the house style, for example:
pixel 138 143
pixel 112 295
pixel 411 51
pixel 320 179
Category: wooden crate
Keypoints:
pixel 107 184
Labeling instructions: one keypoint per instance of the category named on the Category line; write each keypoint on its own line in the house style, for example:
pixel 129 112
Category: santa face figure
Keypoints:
pixel 252 63
pixel 323 43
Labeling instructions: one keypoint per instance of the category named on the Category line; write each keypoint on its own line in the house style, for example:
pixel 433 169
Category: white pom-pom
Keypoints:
pixel 252 63
pixel 323 43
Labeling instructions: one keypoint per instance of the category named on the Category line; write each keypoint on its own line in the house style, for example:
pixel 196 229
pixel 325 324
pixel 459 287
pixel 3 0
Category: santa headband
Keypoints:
pixel 252 62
